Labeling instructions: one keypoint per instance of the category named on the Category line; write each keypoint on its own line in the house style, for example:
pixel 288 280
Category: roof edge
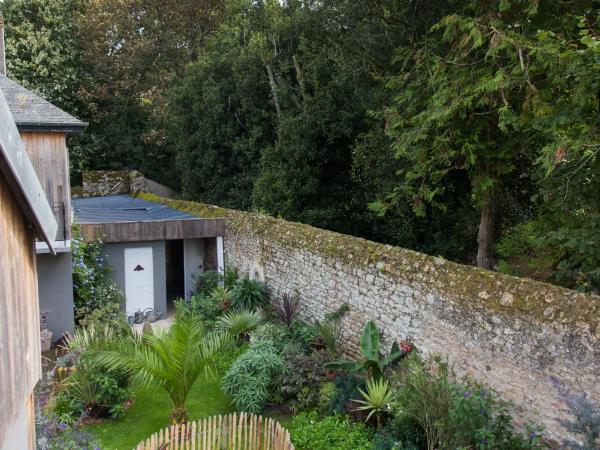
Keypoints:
pixel 53 127
pixel 114 222
pixel 22 178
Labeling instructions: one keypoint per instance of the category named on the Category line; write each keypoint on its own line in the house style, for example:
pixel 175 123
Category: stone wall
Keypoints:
pixel 115 182
pixel 513 334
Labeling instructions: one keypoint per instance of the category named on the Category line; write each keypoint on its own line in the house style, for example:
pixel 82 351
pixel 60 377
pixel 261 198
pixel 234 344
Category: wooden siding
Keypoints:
pixel 20 360
pixel 153 231
pixel 50 158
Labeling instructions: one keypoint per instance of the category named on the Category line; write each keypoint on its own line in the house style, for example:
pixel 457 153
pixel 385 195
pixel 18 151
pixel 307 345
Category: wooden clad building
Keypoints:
pixel 44 129
pixel 24 216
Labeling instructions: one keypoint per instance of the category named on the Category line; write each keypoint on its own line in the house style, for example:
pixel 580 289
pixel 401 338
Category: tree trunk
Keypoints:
pixel 273 85
pixel 300 78
pixel 485 236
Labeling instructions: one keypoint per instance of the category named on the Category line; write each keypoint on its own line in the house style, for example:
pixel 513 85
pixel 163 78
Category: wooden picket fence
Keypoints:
pixel 231 432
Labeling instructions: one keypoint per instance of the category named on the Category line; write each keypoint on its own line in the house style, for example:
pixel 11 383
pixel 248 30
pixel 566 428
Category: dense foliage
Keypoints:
pixel 309 432
pixel 171 360
pixel 254 377
pixel 96 297
pixel 467 129
pixel 53 434
pixel 451 414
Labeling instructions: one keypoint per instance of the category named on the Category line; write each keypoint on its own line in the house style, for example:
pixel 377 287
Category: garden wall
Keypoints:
pixel 117 182
pixel 513 334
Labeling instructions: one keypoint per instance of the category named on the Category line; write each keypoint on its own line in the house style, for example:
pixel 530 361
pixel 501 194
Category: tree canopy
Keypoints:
pixel 462 128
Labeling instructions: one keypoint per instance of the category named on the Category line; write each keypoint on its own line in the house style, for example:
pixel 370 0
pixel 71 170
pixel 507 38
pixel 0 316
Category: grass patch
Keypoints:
pixel 150 412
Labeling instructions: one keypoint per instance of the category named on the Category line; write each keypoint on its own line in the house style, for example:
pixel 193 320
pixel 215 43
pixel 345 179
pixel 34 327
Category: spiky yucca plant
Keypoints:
pixel 171 359
pixel 239 322
pixel 377 399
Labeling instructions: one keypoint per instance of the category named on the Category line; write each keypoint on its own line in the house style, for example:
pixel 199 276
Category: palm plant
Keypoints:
pixel 249 294
pixel 221 296
pixel 172 360
pixel 377 399
pixel 240 322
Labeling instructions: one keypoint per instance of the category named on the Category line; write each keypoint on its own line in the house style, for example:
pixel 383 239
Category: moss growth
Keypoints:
pixel 95 176
pixel 476 287
pixel 196 209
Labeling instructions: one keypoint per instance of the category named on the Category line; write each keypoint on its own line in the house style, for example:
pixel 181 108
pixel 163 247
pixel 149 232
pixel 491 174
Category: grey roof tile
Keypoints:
pixel 31 112
pixel 122 208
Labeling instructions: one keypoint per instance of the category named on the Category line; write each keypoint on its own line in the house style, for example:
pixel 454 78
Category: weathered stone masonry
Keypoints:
pixel 510 333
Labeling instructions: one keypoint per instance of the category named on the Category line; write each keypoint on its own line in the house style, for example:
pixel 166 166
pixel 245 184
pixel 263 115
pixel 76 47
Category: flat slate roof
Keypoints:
pixel 31 112
pixel 123 208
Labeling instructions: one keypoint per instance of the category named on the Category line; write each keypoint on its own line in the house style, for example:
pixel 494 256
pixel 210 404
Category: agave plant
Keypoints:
pixel 171 359
pixel 372 362
pixel 240 322
pixel 377 399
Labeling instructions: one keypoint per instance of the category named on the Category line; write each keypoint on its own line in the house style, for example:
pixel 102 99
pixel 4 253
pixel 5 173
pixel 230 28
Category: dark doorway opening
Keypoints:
pixel 175 272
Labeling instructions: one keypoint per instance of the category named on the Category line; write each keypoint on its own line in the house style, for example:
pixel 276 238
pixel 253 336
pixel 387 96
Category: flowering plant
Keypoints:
pixel 92 288
pixel 53 434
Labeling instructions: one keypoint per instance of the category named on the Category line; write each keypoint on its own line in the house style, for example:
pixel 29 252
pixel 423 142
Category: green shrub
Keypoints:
pixel 255 377
pixel 326 393
pixel 206 282
pixel 303 378
pixel 346 389
pixel 302 334
pixel 454 415
pixel 249 294
pixel 94 293
pixel 223 360
pixel 297 338
pixel 101 316
pixel 331 433
pixel 66 408
pixel 230 277
pixel 90 389
pixel 404 430
pixel 271 332
pixel 206 307
pixel 386 440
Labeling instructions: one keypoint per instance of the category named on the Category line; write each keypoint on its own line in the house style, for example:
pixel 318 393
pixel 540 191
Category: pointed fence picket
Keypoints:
pixel 231 432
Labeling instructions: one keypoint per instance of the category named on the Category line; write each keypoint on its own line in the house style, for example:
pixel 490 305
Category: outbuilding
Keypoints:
pixel 154 251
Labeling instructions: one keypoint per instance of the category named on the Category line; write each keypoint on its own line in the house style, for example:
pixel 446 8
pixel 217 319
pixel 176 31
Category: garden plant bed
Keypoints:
pixel 232 347
pixel 150 412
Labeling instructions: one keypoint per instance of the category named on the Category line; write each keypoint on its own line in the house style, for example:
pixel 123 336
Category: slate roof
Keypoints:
pixel 32 113
pixel 122 208
pixel 18 172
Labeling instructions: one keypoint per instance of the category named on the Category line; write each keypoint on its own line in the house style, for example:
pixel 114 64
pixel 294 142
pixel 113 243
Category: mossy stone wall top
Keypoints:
pixel 498 292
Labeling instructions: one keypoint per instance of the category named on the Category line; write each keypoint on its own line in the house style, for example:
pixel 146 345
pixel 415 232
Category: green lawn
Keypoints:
pixel 150 412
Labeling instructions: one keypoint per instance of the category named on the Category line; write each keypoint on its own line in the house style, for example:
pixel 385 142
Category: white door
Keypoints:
pixel 139 279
